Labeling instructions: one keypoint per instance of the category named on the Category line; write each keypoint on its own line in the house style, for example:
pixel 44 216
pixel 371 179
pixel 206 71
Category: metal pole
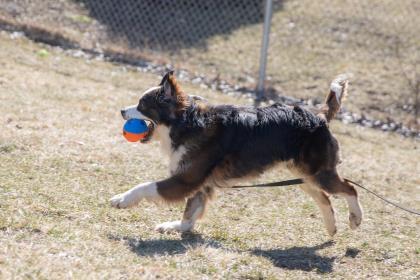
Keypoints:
pixel 264 47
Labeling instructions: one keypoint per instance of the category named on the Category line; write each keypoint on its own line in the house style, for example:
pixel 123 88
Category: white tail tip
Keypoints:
pixel 337 85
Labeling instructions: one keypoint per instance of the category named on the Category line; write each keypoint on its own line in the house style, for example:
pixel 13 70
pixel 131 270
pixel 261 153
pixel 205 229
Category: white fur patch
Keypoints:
pixel 184 225
pixel 151 90
pixel 175 156
pixel 336 85
pixel 355 216
pixel 181 226
pixel 162 134
pixel 337 89
pixel 131 112
pixel 132 197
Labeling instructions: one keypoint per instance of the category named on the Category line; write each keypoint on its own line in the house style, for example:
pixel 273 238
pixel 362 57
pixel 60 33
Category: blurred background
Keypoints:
pixel 217 44
pixel 66 69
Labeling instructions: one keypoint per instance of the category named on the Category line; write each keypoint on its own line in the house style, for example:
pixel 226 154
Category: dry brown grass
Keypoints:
pixel 311 41
pixel 62 157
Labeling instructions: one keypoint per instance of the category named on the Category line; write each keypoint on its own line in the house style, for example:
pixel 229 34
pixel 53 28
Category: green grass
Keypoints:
pixel 62 157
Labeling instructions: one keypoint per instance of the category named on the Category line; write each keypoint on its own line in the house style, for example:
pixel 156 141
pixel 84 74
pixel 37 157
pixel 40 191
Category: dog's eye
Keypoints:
pixel 141 106
pixel 161 98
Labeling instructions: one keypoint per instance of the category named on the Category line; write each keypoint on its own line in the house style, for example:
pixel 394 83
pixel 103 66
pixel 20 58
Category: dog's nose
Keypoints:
pixel 123 113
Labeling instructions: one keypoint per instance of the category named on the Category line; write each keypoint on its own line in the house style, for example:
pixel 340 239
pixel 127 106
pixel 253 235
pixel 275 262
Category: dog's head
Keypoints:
pixel 159 105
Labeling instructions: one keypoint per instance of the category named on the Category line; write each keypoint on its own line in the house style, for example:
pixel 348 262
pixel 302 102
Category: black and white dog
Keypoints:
pixel 213 146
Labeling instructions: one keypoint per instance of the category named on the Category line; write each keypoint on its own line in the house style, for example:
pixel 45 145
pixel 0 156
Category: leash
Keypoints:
pixel 273 184
pixel 300 181
pixel 412 211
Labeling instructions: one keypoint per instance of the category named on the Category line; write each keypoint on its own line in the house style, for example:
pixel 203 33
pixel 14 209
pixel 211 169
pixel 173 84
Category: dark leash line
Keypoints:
pixel 412 211
pixel 273 184
pixel 300 181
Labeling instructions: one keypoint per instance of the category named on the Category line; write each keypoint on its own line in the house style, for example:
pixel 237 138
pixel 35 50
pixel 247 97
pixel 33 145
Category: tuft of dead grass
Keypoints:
pixel 62 157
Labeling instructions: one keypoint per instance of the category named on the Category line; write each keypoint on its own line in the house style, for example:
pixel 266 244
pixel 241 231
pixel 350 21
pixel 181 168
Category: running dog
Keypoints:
pixel 212 147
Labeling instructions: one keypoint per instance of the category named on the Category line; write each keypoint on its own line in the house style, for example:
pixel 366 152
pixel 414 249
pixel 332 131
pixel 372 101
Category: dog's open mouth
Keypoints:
pixel 151 129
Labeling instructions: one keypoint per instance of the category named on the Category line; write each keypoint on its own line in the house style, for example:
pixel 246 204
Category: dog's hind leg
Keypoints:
pixel 330 182
pixel 194 210
pixel 324 205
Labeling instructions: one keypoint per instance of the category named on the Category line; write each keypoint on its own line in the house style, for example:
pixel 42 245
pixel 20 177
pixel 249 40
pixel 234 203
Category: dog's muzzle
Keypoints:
pixel 131 112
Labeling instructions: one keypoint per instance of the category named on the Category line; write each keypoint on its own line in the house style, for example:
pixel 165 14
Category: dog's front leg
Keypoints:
pixel 133 196
pixel 175 188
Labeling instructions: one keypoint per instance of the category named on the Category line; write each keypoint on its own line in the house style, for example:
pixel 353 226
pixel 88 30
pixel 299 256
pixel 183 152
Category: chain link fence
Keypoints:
pixel 377 41
pixel 213 38
pixel 310 42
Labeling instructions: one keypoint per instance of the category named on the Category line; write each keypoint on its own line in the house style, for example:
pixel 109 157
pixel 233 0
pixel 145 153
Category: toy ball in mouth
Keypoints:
pixel 135 129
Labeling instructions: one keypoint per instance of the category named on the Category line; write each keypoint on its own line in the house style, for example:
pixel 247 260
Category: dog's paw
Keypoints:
pixel 332 230
pixel 329 221
pixel 331 227
pixel 174 226
pixel 355 220
pixel 122 200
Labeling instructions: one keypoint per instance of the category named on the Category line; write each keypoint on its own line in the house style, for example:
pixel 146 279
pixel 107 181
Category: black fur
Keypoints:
pixel 255 137
pixel 211 145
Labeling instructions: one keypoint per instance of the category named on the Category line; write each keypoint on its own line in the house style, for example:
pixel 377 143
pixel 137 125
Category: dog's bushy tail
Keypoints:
pixel 338 90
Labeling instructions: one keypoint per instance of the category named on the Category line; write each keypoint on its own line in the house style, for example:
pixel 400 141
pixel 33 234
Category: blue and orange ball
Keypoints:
pixel 135 129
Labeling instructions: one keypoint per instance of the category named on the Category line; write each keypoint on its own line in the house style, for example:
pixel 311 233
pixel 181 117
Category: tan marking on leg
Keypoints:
pixel 324 205
pixel 331 182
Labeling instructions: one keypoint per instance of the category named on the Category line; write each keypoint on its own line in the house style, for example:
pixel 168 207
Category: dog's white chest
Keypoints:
pixel 175 159
pixel 175 155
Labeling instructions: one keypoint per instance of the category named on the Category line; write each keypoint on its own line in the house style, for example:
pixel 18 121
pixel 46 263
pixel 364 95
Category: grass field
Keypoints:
pixel 62 157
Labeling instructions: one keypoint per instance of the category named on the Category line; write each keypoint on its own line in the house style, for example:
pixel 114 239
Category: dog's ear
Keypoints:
pixel 168 89
pixel 169 84
pixel 166 77
pixel 172 90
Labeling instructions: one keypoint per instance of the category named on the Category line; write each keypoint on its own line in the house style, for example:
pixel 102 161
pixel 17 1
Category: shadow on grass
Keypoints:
pixel 352 252
pixel 294 258
pixel 173 25
pixel 165 246
pixel 299 258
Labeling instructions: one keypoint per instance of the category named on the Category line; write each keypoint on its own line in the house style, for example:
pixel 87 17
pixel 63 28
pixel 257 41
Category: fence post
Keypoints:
pixel 264 47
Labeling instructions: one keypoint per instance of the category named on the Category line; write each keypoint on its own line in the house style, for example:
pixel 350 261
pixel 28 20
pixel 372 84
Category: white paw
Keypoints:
pixel 355 212
pixel 123 200
pixel 355 220
pixel 174 226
